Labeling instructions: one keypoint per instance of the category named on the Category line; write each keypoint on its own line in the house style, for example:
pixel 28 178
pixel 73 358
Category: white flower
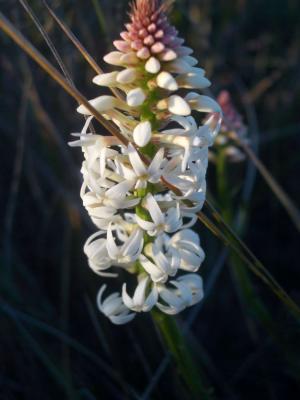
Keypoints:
pixel 187 243
pixel 102 209
pixel 143 174
pixel 134 170
pixel 195 283
pixel 170 221
pixel 175 299
pixel 129 251
pixel 187 291
pixel 97 254
pixel 140 300
pixel 164 263
pixel 190 139
pixel 114 308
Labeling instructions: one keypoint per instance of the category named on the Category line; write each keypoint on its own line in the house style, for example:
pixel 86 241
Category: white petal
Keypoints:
pixel 192 61
pixel 127 76
pixel 113 58
pixel 128 301
pixel 99 296
pixel 151 300
pixel 133 246
pixel 142 133
pixel 192 80
pixel 157 274
pixel 146 225
pixel 172 299
pixel 136 162
pixel 179 66
pixel 129 59
pixel 136 97
pixel 203 103
pixel 101 104
pixel 118 191
pixel 154 210
pixel 139 294
pixel 122 319
pixel 166 81
pixel 184 51
pixel 178 106
pixel 152 65
pixel 108 79
pixel 156 163
pixel 111 246
pixel 168 55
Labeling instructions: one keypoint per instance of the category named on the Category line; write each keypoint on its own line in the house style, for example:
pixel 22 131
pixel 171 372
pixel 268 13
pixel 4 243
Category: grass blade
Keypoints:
pixel 39 26
pixel 83 51
pixel 21 41
pixel 74 40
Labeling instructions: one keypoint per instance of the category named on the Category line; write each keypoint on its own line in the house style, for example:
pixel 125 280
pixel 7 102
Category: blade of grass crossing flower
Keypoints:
pixel 51 46
pixel 91 61
pixel 74 40
pixel 39 26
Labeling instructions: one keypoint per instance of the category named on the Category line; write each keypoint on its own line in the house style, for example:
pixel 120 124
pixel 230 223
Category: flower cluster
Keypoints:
pixel 232 128
pixel 143 227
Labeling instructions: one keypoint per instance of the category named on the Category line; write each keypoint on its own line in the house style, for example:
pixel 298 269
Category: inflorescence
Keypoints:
pixel 144 229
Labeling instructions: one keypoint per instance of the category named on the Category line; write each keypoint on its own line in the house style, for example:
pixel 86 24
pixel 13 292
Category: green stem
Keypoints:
pixel 176 344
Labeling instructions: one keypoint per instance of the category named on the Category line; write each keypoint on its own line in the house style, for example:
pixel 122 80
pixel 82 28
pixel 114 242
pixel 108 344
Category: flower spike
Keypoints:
pixel 143 228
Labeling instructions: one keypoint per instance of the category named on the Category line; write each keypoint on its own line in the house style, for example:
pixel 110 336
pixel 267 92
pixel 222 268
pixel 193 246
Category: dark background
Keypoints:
pixel 54 344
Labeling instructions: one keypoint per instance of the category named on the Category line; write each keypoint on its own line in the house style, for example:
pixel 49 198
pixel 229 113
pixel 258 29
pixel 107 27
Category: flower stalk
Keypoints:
pixel 175 342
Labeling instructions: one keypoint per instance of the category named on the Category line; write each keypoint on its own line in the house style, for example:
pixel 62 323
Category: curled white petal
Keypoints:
pixel 140 300
pixel 114 308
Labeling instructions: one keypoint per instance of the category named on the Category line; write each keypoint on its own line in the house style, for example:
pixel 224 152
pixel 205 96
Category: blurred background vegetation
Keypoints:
pixel 54 344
